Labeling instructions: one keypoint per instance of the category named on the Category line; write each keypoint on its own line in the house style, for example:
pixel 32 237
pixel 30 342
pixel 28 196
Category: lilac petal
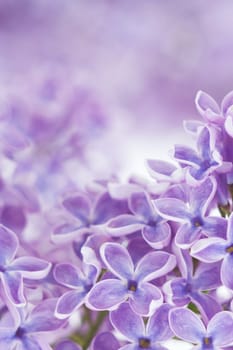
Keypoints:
pixel 107 294
pixel 107 208
pixel 131 347
pixel 30 344
pixel 184 262
pixel 202 195
pixel 67 275
pixel 159 167
pixel 230 228
pixel 203 144
pixel 66 232
pixel 127 322
pixel 140 205
pixel 31 267
pixel 187 235
pixel 177 292
pixel 186 325
pixel 145 299
pixel 186 155
pixel 227 103
pixel 157 237
pixel 117 260
pixel 172 209
pixel 68 303
pixel 158 328
pixel 123 225
pixel 13 287
pixel 226 271
pixel 220 328
pixel 104 341
pixel 67 345
pixel 192 126
pixel 154 265
pixel 206 304
pixel 79 206
pixel 206 105
pixel 207 276
pixel 215 226
pixel 8 245
pixel 209 249
pixel 42 318
pixel 229 125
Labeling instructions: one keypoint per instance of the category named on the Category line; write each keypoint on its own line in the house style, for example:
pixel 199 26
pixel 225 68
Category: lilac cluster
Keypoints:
pixel 124 265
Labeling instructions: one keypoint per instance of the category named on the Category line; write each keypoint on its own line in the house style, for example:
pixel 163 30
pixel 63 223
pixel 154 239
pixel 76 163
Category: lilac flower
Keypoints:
pixel 105 341
pixel 132 327
pixel 188 326
pixel 155 230
pixel 27 332
pixel 131 282
pixel 182 290
pixel 13 271
pixel 217 249
pixel 80 283
pixel 89 217
pixel 193 215
pixel 204 162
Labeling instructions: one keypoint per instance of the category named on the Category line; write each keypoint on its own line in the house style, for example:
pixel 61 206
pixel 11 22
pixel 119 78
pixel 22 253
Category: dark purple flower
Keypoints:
pixel 14 270
pixel 133 328
pixel 188 326
pixel 132 281
pixel 80 283
pixel 192 216
pixel 155 230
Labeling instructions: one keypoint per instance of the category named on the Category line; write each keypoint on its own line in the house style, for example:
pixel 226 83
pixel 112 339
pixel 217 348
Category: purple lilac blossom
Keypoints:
pixel 29 333
pixel 131 281
pixel 194 285
pixel 155 230
pixel 132 327
pixel 203 163
pixel 80 283
pixel 192 216
pixel 216 249
pixel 189 327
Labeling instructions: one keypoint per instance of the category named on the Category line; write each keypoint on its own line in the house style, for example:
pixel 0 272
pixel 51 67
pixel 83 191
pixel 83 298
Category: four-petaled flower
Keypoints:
pixel 133 328
pixel 193 215
pixel 132 281
pixel 189 327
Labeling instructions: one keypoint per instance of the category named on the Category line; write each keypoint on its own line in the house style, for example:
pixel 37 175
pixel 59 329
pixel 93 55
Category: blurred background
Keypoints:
pixel 136 65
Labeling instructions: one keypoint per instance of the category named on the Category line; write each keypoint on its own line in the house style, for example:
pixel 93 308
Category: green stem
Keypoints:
pixel 94 329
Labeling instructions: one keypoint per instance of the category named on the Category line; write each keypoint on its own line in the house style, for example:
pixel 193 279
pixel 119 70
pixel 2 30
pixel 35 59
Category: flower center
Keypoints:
pixel 20 332
pixel 207 341
pixel 132 285
pixel 229 249
pixel 144 343
pixel 197 222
